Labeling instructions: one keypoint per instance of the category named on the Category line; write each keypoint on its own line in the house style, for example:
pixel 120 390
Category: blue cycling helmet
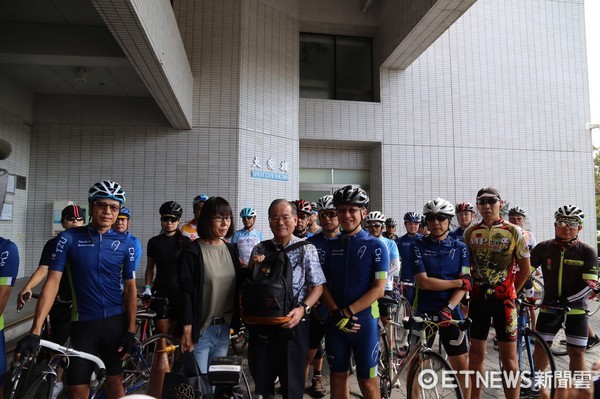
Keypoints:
pixel 412 217
pixel 106 189
pixel 125 212
pixel 200 198
pixel 248 213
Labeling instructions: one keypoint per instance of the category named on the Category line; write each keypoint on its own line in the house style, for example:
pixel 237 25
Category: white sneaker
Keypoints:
pixel 58 387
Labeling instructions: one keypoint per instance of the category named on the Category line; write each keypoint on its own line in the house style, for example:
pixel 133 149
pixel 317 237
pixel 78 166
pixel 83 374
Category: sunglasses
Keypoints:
pixel 487 201
pixel 433 216
pixel 328 214
pixel 248 217
pixel 565 223
pixel 166 219
pixel 374 225
pixel 74 219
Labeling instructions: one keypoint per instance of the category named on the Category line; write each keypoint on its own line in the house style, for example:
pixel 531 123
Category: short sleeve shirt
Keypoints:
pixel 9 266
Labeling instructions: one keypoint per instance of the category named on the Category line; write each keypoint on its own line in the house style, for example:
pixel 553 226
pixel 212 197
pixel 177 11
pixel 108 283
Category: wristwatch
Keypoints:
pixel 307 308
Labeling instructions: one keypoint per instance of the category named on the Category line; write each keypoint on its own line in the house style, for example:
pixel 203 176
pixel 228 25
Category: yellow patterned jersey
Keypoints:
pixel 189 229
pixel 494 251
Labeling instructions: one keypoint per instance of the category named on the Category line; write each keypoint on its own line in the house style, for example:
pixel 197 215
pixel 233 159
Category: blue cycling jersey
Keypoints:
pixel 246 240
pixel 446 260
pixel 321 242
pixel 457 234
pixel 404 244
pixel 98 263
pixel 9 267
pixel 352 264
pixel 137 246
pixel 394 268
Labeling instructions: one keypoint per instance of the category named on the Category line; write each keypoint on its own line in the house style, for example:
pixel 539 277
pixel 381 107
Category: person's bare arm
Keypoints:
pixel 46 300
pixel 40 274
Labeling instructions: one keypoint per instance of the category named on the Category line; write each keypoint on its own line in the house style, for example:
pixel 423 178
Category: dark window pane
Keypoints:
pixel 336 67
pixel 353 69
pixel 317 66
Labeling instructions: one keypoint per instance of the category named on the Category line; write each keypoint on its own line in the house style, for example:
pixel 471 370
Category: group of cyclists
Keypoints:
pixel 478 268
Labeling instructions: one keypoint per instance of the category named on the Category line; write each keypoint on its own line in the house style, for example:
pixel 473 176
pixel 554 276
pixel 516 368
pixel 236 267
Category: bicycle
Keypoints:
pixel 526 337
pixel 42 385
pixel 418 358
pixel 145 315
pixel 594 302
pixel 239 341
pixel 403 310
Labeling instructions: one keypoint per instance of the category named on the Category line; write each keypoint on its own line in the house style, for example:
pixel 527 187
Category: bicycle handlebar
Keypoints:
pixel 559 308
pixel 70 352
pixel 34 295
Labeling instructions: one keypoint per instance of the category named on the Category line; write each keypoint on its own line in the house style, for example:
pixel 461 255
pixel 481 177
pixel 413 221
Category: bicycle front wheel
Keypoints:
pixel 150 353
pixel 383 368
pixel 432 377
pixel 40 388
pixel 527 364
pixel 594 303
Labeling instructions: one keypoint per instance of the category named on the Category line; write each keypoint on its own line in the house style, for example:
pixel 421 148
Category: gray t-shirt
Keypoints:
pixel 219 283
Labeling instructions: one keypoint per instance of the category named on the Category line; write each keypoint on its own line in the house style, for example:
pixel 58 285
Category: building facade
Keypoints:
pixel 188 97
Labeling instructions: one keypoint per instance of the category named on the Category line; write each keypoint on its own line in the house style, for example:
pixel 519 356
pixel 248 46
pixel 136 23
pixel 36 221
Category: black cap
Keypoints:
pixel 71 211
pixel 489 192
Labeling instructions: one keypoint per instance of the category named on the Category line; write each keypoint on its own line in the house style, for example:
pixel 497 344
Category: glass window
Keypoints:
pixel 336 67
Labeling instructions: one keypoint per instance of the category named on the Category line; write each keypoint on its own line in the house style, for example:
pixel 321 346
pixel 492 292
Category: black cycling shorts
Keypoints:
pixel 576 328
pixel 98 337
pixel 317 331
pixel 60 322
pixel 502 311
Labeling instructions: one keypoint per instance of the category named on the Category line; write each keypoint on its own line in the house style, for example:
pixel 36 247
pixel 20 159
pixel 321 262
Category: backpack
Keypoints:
pixel 267 294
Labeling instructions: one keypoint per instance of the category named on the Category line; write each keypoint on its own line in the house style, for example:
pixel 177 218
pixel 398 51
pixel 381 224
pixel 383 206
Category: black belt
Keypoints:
pixel 218 321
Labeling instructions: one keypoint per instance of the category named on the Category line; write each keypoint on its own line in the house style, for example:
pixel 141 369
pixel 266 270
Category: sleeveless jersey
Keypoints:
pixel 98 264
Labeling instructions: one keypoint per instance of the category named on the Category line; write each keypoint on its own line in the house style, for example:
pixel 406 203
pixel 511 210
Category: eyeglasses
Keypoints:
pixel 487 201
pixel 566 223
pixel 328 214
pixel 74 219
pixel 277 219
pixel 221 218
pixel 347 210
pixel 374 225
pixel 303 216
pixel 105 205
pixel 434 216
pixel 171 219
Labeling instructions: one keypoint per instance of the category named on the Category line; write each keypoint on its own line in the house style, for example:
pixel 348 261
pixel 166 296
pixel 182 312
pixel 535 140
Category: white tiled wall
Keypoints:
pixel 17 132
pixel 500 98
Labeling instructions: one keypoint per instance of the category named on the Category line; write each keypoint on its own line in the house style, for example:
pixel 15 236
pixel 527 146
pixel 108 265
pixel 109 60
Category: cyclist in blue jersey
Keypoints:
pixel 411 224
pixel 355 266
pixel 330 229
pixel 9 267
pixel 465 212
pixel 122 225
pixel 248 237
pixel 441 268
pixel 99 261
pixel 374 222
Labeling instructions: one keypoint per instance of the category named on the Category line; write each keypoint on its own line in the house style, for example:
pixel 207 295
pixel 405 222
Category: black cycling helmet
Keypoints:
pixel 171 208
pixel 349 195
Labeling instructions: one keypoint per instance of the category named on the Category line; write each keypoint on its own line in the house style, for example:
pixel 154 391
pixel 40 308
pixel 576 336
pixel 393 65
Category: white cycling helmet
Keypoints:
pixel 375 216
pixel 325 203
pixel 517 211
pixel 570 212
pixel 439 206
pixel 106 189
